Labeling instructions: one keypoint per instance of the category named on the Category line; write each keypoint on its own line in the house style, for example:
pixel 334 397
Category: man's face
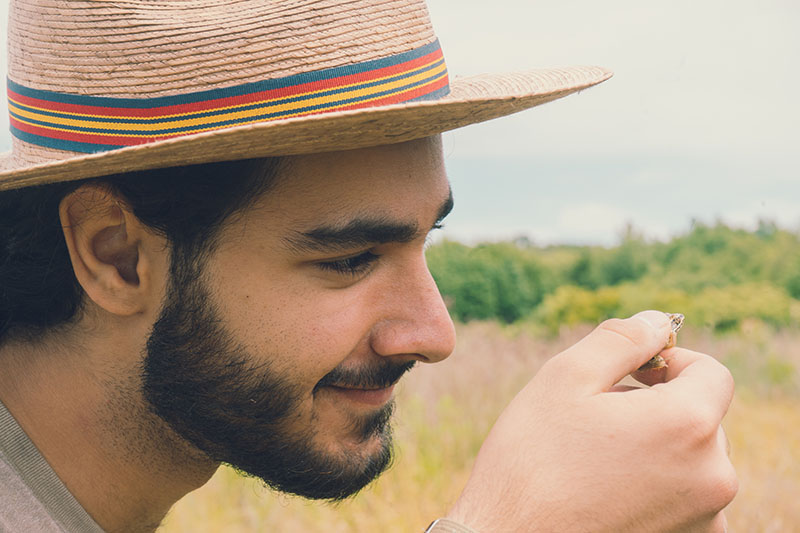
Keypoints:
pixel 279 354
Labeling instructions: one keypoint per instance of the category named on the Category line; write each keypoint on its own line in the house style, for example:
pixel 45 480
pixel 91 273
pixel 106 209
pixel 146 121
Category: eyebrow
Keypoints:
pixel 360 232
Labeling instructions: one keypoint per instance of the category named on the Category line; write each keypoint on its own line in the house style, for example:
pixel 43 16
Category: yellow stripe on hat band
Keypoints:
pixel 92 123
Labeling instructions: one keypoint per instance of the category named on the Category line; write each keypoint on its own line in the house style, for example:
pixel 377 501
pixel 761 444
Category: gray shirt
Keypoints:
pixel 32 497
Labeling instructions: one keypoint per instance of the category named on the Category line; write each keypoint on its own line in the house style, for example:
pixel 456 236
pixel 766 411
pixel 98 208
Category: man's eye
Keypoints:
pixel 352 266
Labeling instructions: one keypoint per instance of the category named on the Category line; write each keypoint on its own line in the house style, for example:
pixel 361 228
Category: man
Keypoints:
pixel 235 273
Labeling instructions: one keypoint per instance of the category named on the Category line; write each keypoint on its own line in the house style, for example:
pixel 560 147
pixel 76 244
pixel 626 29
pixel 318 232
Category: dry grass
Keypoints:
pixel 445 411
pixel 765 448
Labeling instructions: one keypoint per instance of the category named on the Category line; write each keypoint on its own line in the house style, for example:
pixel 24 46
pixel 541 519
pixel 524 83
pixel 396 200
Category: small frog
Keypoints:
pixel 676 321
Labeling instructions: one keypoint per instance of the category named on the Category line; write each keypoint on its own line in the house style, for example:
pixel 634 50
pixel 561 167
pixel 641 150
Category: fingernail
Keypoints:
pixel 655 319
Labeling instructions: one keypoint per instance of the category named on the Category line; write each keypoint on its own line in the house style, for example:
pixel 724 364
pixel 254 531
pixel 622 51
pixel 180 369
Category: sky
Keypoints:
pixel 699 123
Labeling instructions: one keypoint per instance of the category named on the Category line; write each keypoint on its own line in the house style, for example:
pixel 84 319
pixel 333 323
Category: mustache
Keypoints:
pixel 375 376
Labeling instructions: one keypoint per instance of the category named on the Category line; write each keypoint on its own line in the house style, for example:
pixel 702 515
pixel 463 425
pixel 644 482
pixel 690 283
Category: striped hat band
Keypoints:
pixel 91 124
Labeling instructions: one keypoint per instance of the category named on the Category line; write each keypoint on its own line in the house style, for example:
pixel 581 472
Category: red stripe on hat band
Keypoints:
pixel 95 123
pixel 411 95
pixel 196 107
pixel 126 140
pixel 78 137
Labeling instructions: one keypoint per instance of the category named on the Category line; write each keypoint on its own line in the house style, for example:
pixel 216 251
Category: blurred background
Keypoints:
pixel 675 185
pixel 698 123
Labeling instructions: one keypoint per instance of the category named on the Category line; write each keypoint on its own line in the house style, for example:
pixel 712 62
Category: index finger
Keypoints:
pixel 698 377
pixel 613 350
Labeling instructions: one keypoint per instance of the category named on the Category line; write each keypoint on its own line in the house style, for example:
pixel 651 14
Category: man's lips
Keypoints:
pixel 368 385
pixel 373 397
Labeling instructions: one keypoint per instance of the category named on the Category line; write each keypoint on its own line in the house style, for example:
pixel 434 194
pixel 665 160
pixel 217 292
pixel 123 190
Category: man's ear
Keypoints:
pixel 110 250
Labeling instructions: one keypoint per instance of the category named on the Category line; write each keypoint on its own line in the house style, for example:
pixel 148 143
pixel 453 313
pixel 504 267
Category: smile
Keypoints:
pixel 372 397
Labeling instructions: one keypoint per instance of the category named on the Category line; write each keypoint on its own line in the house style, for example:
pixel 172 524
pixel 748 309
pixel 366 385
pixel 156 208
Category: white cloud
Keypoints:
pixel 691 77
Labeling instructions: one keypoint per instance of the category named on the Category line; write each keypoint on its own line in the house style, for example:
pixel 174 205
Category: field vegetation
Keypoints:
pixel 717 276
pixel 517 305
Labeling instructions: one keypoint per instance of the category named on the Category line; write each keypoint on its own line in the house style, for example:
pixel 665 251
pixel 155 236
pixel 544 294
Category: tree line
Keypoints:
pixel 717 275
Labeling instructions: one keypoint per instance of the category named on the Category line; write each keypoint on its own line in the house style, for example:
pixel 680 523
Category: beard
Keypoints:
pixel 232 407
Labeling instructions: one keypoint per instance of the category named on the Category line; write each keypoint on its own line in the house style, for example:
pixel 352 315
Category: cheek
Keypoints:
pixel 299 331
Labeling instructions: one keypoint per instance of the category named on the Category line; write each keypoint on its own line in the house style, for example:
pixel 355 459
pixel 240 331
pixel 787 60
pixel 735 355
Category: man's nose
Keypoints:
pixel 416 321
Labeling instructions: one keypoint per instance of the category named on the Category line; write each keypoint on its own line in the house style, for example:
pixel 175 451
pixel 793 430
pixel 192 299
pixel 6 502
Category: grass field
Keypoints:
pixel 445 410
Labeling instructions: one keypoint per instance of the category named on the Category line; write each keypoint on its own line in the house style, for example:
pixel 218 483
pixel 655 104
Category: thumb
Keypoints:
pixel 613 350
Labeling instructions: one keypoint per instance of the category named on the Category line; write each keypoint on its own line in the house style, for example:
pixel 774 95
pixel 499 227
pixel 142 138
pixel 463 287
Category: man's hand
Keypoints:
pixel 572 452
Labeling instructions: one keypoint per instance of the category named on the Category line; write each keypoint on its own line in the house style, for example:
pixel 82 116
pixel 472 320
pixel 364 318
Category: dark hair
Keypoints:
pixel 187 205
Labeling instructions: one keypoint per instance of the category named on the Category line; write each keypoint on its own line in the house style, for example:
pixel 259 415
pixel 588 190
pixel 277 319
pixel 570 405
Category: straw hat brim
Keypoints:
pixel 471 100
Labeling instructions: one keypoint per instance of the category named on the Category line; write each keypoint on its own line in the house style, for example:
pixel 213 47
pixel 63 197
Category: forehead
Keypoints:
pixel 388 180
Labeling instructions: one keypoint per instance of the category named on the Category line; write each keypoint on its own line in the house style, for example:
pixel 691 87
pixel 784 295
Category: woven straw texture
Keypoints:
pixel 155 48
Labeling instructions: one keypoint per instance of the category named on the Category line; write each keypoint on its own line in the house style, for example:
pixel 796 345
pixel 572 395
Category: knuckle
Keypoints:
pixel 551 366
pixel 721 373
pixel 612 324
pixel 727 376
pixel 723 487
pixel 632 331
pixel 729 488
pixel 701 425
pixel 698 423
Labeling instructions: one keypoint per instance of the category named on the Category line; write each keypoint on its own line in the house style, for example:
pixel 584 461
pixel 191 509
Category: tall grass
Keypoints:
pixel 445 411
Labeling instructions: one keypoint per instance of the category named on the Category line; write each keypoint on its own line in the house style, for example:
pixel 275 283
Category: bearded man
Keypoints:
pixel 213 223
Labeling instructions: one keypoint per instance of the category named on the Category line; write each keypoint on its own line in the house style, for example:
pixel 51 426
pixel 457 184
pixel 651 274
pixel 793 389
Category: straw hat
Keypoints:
pixel 99 86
